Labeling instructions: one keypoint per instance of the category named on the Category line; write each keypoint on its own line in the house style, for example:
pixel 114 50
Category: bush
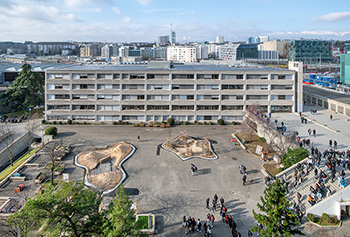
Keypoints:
pixel 60 123
pixel 221 122
pixel 69 121
pixel 170 121
pixel 195 122
pixel 43 121
pixel 326 217
pixel 234 123
pixel 311 217
pixel 114 123
pixel 85 123
pixel 210 123
pixel 293 156
pixel 54 122
pixel 182 122
pixel 51 131
pixel 261 139
pixel 205 123
pixel 187 123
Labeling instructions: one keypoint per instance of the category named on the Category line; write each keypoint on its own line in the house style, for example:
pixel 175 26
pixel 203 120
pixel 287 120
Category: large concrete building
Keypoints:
pixel 345 68
pixel 309 51
pixel 274 45
pixel 159 90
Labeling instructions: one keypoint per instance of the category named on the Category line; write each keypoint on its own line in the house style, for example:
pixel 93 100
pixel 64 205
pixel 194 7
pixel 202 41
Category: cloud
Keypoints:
pixel 85 3
pixel 310 34
pixel 152 10
pixel 116 10
pixel 144 2
pixel 127 20
pixel 334 16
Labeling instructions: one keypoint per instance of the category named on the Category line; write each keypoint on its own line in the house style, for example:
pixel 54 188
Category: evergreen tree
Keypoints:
pixel 279 220
pixel 26 92
pixel 71 210
pixel 121 217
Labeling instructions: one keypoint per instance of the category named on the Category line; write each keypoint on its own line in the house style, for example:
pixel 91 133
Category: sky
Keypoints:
pixel 192 20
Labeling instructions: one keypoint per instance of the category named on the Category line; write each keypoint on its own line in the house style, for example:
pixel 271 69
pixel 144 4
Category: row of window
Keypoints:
pixel 166 97
pixel 149 107
pixel 165 87
pixel 165 76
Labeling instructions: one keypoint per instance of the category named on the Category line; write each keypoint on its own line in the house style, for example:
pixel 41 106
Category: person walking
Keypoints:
pixel 244 179
pixel 299 197
pixel 300 216
pixel 335 144
pixel 309 131
pixel 330 143
pixel 222 201
pixel 331 117
pixel 314 132
pixel 138 138
pixel 207 202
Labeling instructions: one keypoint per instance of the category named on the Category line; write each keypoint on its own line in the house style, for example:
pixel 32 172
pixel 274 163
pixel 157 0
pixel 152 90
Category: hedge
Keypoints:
pixel 51 131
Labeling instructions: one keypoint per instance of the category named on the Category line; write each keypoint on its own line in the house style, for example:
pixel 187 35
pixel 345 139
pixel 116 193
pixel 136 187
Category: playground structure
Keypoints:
pixel 103 165
pixel 187 147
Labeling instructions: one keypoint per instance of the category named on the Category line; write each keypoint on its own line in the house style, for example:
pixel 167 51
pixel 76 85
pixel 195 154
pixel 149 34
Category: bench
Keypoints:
pixel 18 178
pixel 32 164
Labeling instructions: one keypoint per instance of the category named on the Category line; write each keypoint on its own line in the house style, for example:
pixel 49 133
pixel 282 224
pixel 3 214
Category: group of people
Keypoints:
pixel 194 169
pixel 191 224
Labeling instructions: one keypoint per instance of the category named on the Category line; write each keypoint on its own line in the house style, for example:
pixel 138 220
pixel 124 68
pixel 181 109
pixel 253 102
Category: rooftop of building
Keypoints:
pixel 163 65
pixel 327 93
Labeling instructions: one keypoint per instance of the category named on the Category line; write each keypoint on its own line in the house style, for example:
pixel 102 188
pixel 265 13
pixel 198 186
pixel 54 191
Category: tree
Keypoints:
pixel 71 210
pixel 279 219
pixel 121 216
pixel 26 92
pixel 293 156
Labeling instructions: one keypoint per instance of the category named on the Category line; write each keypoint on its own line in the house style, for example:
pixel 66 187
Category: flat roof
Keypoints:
pixel 174 67
pixel 327 93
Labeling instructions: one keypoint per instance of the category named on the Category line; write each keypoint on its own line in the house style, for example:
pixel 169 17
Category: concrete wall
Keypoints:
pixel 18 146
pixel 332 205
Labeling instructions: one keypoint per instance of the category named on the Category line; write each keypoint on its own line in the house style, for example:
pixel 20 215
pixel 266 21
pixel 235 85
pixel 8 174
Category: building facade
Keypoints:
pixel 183 54
pixel 345 68
pixel 160 90
pixel 162 40
pixel 309 51
pixel 274 45
pixel 228 52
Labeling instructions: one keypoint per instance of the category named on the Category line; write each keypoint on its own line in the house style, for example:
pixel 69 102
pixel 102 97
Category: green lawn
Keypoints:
pixel 143 221
pixel 20 161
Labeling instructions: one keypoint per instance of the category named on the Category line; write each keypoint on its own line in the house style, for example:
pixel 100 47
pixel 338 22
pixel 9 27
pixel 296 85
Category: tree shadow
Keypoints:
pixel 65 134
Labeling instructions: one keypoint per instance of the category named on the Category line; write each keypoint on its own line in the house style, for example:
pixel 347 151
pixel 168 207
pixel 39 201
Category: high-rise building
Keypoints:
pixel 173 37
pixel 184 54
pixel 274 45
pixel 228 52
pixel 347 48
pixel 263 39
pixel 202 51
pixel 345 68
pixel 253 40
pixel 162 40
pixel 154 53
pixel 220 39
pixel 88 50
pixel 107 51
pixel 247 51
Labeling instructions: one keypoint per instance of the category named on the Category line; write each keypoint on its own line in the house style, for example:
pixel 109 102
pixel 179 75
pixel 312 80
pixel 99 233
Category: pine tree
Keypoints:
pixel 279 220
pixel 122 221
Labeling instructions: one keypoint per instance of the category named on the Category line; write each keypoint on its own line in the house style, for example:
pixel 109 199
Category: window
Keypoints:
pixel 232 118
pixel 116 76
pixel 257 87
pixel 257 97
pixel 133 107
pixel 231 76
pixel 281 108
pixel 104 76
pixel 179 117
pixel 108 97
pixel 58 107
pixel 208 76
pixel 232 87
pixel 282 77
pixel 108 107
pixel 107 117
pixel 281 87
pixel 183 97
pixel 232 97
pixel 183 87
pixel 157 97
pixel 57 117
pixel 182 107
pixel 207 97
pixel 207 118
pixel 83 97
pixel 183 76
pixel 83 117
pixel 133 87
pixel 133 117
pixel 83 86
pixel 137 76
pixel 232 107
pixel 61 97
pixel 83 107
pixel 157 107
pixel 158 87
pixel 133 97
pixel 207 87
pixel 207 107
pixel 257 76
pixel 157 76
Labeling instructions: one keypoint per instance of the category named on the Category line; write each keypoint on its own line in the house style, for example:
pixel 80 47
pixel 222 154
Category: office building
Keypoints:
pixel 163 40
pixel 107 51
pixel 253 40
pixel 274 45
pixel 309 51
pixel 247 51
pixel 160 90
pixel 220 39
pixel 173 37
pixel 268 54
pixel 228 52
pixel 154 53
pixel 202 51
pixel 183 54
pixel 263 39
pixel 345 68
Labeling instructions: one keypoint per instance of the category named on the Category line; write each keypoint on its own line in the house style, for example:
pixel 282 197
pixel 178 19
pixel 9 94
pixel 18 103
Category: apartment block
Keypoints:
pixel 183 54
pixel 160 90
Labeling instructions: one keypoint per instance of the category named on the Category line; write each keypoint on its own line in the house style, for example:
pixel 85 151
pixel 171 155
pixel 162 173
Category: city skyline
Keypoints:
pixel 145 20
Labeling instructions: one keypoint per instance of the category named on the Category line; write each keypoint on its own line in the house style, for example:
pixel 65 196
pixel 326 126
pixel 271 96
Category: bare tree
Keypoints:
pixel 52 153
pixel 10 131
pixel 33 123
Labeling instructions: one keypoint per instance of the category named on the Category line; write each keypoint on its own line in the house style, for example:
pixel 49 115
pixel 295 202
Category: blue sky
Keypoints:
pixel 193 20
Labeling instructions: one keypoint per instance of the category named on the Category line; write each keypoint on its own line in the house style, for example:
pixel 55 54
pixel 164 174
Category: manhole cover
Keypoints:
pixel 232 192
pixel 234 158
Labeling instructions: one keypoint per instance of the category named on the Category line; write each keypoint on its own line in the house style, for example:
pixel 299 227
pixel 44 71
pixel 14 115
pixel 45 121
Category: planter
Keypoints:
pixel 151 223
pixel 47 184
pixel 39 178
pixel 49 165
pixel 59 169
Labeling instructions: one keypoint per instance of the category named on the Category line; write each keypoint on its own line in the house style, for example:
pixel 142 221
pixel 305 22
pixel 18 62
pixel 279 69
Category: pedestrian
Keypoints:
pixel 214 205
pixel 335 144
pixel 199 225
pixel 215 198
pixel 309 131
pixel 299 197
pixel 222 201
pixel 314 132
pixel 276 121
pixel 184 221
pixel 331 117
pixel 250 234
pixel 207 202
pixel 212 219
pixel 282 123
pixel 244 179
pixel 205 229
pixel 330 143
pixel 300 216
pixel 138 138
